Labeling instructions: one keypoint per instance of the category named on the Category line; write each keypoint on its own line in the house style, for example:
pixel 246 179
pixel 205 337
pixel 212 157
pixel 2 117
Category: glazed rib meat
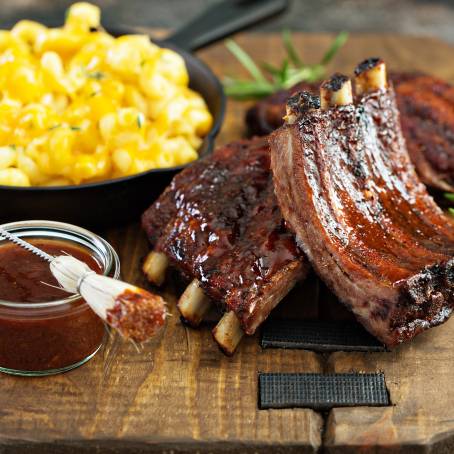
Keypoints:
pixel 426 106
pixel 219 223
pixel 347 188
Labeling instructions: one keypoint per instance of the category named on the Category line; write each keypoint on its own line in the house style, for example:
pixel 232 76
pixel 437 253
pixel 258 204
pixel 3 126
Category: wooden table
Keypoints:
pixel 181 394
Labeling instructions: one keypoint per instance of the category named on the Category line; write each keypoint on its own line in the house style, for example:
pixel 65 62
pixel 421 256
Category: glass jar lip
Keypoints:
pixel 64 231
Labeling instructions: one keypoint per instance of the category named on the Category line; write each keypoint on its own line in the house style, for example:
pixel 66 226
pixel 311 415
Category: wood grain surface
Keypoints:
pixel 180 394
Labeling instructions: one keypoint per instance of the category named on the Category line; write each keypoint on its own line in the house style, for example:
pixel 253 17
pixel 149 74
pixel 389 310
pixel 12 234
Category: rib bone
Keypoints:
pixel 298 103
pixel 155 266
pixel 336 91
pixel 372 232
pixel 228 333
pixel 370 76
pixel 193 304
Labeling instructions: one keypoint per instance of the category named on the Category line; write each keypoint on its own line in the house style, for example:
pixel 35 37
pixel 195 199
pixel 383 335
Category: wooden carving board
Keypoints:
pixel 181 394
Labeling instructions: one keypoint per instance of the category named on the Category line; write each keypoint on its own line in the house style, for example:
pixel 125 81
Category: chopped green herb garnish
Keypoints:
pixel 97 75
pixel 267 79
pixel 96 92
pixel 75 128
pixel 12 146
pixel 55 127
pixel 140 120
pixel 451 211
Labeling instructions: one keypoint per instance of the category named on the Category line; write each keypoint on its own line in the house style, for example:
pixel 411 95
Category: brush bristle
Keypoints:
pixel 137 314
pixel 68 271
pixel 134 312
pixel 100 292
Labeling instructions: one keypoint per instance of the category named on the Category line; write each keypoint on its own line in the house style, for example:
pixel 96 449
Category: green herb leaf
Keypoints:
pixel 290 48
pixel 273 70
pixel 284 72
pixel 338 42
pixel 451 211
pixel 75 128
pixel 140 120
pixel 449 196
pixel 303 74
pixel 244 58
pixel 54 127
pixel 245 89
pixel 273 78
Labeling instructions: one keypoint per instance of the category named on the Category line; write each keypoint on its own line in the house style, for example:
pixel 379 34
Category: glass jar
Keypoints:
pixel 38 339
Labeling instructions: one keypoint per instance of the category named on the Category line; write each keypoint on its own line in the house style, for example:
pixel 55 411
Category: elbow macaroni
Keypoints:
pixel 78 105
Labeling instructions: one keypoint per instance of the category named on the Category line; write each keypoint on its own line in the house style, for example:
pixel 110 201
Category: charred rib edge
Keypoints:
pixel 228 333
pixel 155 267
pixel 298 103
pixel 193 304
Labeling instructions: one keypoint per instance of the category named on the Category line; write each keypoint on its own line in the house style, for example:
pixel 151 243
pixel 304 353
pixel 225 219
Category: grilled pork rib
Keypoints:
pixel 347 188
pixel 219 223
pixel 426 106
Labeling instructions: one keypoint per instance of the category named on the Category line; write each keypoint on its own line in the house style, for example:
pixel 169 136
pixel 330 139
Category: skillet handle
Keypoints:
pixel 224 19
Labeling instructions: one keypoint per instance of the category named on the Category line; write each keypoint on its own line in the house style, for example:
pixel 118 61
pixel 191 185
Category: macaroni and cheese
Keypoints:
pixel 78 105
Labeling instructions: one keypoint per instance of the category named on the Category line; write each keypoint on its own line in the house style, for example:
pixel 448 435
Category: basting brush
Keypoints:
pixel 135 313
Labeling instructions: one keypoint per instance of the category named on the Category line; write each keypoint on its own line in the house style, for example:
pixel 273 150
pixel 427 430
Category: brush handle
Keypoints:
pixel 25 245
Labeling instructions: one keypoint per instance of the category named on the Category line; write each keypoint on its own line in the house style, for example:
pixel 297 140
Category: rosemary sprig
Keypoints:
pixel 267 79
pixel 245 60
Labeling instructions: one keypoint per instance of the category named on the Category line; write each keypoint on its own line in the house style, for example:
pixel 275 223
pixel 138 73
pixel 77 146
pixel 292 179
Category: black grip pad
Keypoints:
pixel 322 391
pixel 319 336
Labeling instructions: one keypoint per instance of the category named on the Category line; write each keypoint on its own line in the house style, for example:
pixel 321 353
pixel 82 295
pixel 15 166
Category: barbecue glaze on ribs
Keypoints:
pixel 426 106
pixel 347 188
pixel 219 223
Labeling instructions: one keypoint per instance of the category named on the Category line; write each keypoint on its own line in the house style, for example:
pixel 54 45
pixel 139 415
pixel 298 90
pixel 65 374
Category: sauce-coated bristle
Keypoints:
pixel 135 313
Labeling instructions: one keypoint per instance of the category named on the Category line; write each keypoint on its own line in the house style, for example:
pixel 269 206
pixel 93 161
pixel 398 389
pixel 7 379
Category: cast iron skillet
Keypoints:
pixel 113 202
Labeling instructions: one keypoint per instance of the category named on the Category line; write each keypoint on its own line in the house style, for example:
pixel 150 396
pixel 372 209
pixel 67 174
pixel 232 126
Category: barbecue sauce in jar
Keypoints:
pixel 43 329
pixel 26 278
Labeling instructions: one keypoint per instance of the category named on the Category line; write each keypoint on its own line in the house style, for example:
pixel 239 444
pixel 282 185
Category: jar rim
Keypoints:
pixel 66 232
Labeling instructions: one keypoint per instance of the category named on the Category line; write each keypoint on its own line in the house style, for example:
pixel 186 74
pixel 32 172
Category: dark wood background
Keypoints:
pixel 416 17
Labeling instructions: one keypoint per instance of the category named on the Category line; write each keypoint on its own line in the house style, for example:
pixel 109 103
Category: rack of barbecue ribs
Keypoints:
pixel 426 106
pixel 347 189
pixel 219 224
